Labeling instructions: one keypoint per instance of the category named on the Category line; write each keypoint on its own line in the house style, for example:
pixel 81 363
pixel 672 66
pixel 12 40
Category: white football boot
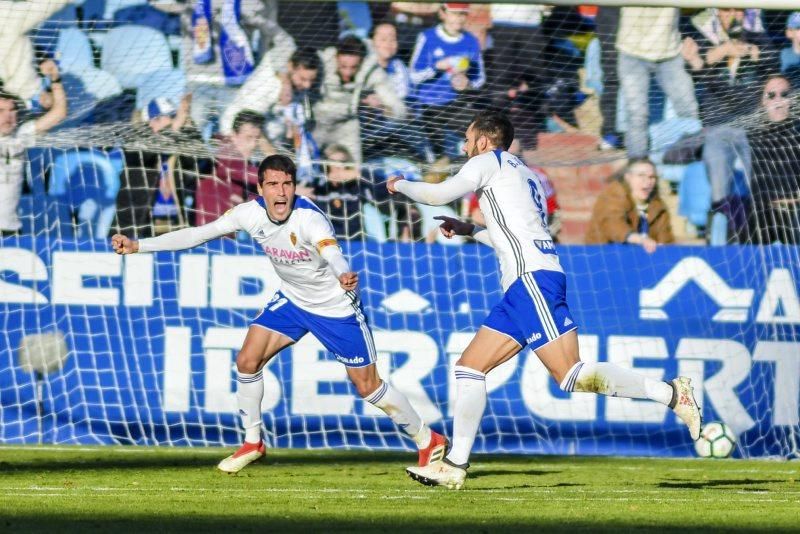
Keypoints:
pixel 247 454
pixel 685 406
pixel 440 473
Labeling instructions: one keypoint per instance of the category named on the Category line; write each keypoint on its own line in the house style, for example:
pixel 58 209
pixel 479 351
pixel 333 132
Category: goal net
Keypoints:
pixel 171 105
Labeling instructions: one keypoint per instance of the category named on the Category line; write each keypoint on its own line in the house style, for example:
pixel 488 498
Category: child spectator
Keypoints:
pixel 447 61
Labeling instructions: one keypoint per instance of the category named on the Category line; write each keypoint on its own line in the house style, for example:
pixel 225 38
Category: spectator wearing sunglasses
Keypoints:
pixel 728 54
pixel 775 184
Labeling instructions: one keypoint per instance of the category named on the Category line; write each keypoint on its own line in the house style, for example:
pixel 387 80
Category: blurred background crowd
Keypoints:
pixel 141 117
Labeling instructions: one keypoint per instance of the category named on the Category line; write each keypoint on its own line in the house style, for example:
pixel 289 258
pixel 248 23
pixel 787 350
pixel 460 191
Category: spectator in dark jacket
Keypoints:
pixel 164 157
pixel 729 56
pixel 775 183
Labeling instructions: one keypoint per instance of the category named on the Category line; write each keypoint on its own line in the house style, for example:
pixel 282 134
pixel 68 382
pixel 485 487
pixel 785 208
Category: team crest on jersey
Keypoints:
pixel 293 239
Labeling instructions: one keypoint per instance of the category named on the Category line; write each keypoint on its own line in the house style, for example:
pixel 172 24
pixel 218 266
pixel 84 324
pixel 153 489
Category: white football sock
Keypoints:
pixel 249 393
pixel 468 411
pixel 615 381
pixel 396 406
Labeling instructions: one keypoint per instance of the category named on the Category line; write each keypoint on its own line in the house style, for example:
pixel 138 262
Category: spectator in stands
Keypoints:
pixel 353 83
pixel 790 56
pixel 342 192
pixel 286 100
pixel 411 18
pixel 775 183
pixel 648 41
pixel 163 174
pixel 217 52
pixel 447 63
pixel 15 138
pixel 729 55
pixel 384 43
pixel 17 66
pixel 235 173
pixel 269 90
pixel 381 134
pixel 631 211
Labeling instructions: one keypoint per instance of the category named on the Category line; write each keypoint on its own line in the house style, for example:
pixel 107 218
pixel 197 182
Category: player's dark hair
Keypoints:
pixel 495 126
pixel 351 46
pixel 307 58
pixel 277 162
pixel 248 116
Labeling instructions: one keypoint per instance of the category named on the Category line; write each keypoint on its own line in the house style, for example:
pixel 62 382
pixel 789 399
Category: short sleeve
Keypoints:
pixel 478 170
pixel 318 230
pixel 26 134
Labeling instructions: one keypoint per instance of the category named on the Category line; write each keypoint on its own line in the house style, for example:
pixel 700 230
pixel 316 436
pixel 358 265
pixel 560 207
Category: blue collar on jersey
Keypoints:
pixel 263 204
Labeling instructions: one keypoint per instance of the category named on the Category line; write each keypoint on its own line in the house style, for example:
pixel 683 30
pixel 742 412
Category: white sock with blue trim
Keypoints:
pixel 249 393
pixel 468 411
pixel 615 381
pixel 396 406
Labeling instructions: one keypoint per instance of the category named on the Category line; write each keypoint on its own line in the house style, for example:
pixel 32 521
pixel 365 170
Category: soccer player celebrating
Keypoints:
pixel 317 295
pixel 533 310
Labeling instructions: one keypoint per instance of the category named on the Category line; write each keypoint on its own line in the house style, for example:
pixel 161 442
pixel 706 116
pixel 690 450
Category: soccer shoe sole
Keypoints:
pixel 687 409
pixel 233 465
pixel 451 484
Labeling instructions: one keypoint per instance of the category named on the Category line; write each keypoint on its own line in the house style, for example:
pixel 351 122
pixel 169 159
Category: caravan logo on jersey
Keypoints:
pixel 287 257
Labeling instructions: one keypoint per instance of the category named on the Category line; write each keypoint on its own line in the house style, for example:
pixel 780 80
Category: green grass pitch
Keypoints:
pixel 64 489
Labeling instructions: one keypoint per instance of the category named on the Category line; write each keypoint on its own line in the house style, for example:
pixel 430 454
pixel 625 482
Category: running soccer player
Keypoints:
pixel 534 308
pixel 318 294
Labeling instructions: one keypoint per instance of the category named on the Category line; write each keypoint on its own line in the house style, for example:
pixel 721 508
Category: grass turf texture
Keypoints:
pixel 62 489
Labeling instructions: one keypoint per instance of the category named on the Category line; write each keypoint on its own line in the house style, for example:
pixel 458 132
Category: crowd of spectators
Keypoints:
pixel 345 91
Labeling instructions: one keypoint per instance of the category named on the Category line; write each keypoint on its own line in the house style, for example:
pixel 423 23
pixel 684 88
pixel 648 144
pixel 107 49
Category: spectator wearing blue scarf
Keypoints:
pixel 218 51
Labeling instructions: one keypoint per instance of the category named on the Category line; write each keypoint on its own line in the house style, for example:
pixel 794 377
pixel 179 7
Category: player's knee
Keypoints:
pixel 247 362
pixel 366 386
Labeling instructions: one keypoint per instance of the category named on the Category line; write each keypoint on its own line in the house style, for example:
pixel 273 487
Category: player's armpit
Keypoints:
pixel 326 243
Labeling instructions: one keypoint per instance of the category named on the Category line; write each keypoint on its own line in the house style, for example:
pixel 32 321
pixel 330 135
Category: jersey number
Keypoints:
pixel 537 199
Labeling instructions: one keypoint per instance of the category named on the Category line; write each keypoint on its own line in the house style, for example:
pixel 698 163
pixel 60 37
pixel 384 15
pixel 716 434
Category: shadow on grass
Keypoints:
pixel 502 472
pixel 130 458
pixel 713 484
pixel 187 460
pixel 265 523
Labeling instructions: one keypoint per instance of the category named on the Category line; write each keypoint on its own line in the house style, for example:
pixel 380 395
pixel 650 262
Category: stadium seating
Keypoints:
pixel 170 83
pixel 123 49
pixel 694 194
pixel 87 182
pixel 74 50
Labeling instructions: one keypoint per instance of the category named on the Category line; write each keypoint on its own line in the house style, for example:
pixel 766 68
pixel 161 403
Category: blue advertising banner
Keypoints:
pixel 98 348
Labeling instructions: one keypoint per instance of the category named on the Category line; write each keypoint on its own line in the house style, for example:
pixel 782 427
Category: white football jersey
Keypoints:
pixel 513 202
pixel 294 248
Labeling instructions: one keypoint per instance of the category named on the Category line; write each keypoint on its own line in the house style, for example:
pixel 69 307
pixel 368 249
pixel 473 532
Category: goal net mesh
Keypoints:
pixel 171 105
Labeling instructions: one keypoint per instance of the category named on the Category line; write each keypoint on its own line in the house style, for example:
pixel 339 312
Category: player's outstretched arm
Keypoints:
pixel 177 240
pixel 431 194
pixel 451 227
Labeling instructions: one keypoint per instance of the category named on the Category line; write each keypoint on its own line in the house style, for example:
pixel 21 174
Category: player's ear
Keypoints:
pixel 258 188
